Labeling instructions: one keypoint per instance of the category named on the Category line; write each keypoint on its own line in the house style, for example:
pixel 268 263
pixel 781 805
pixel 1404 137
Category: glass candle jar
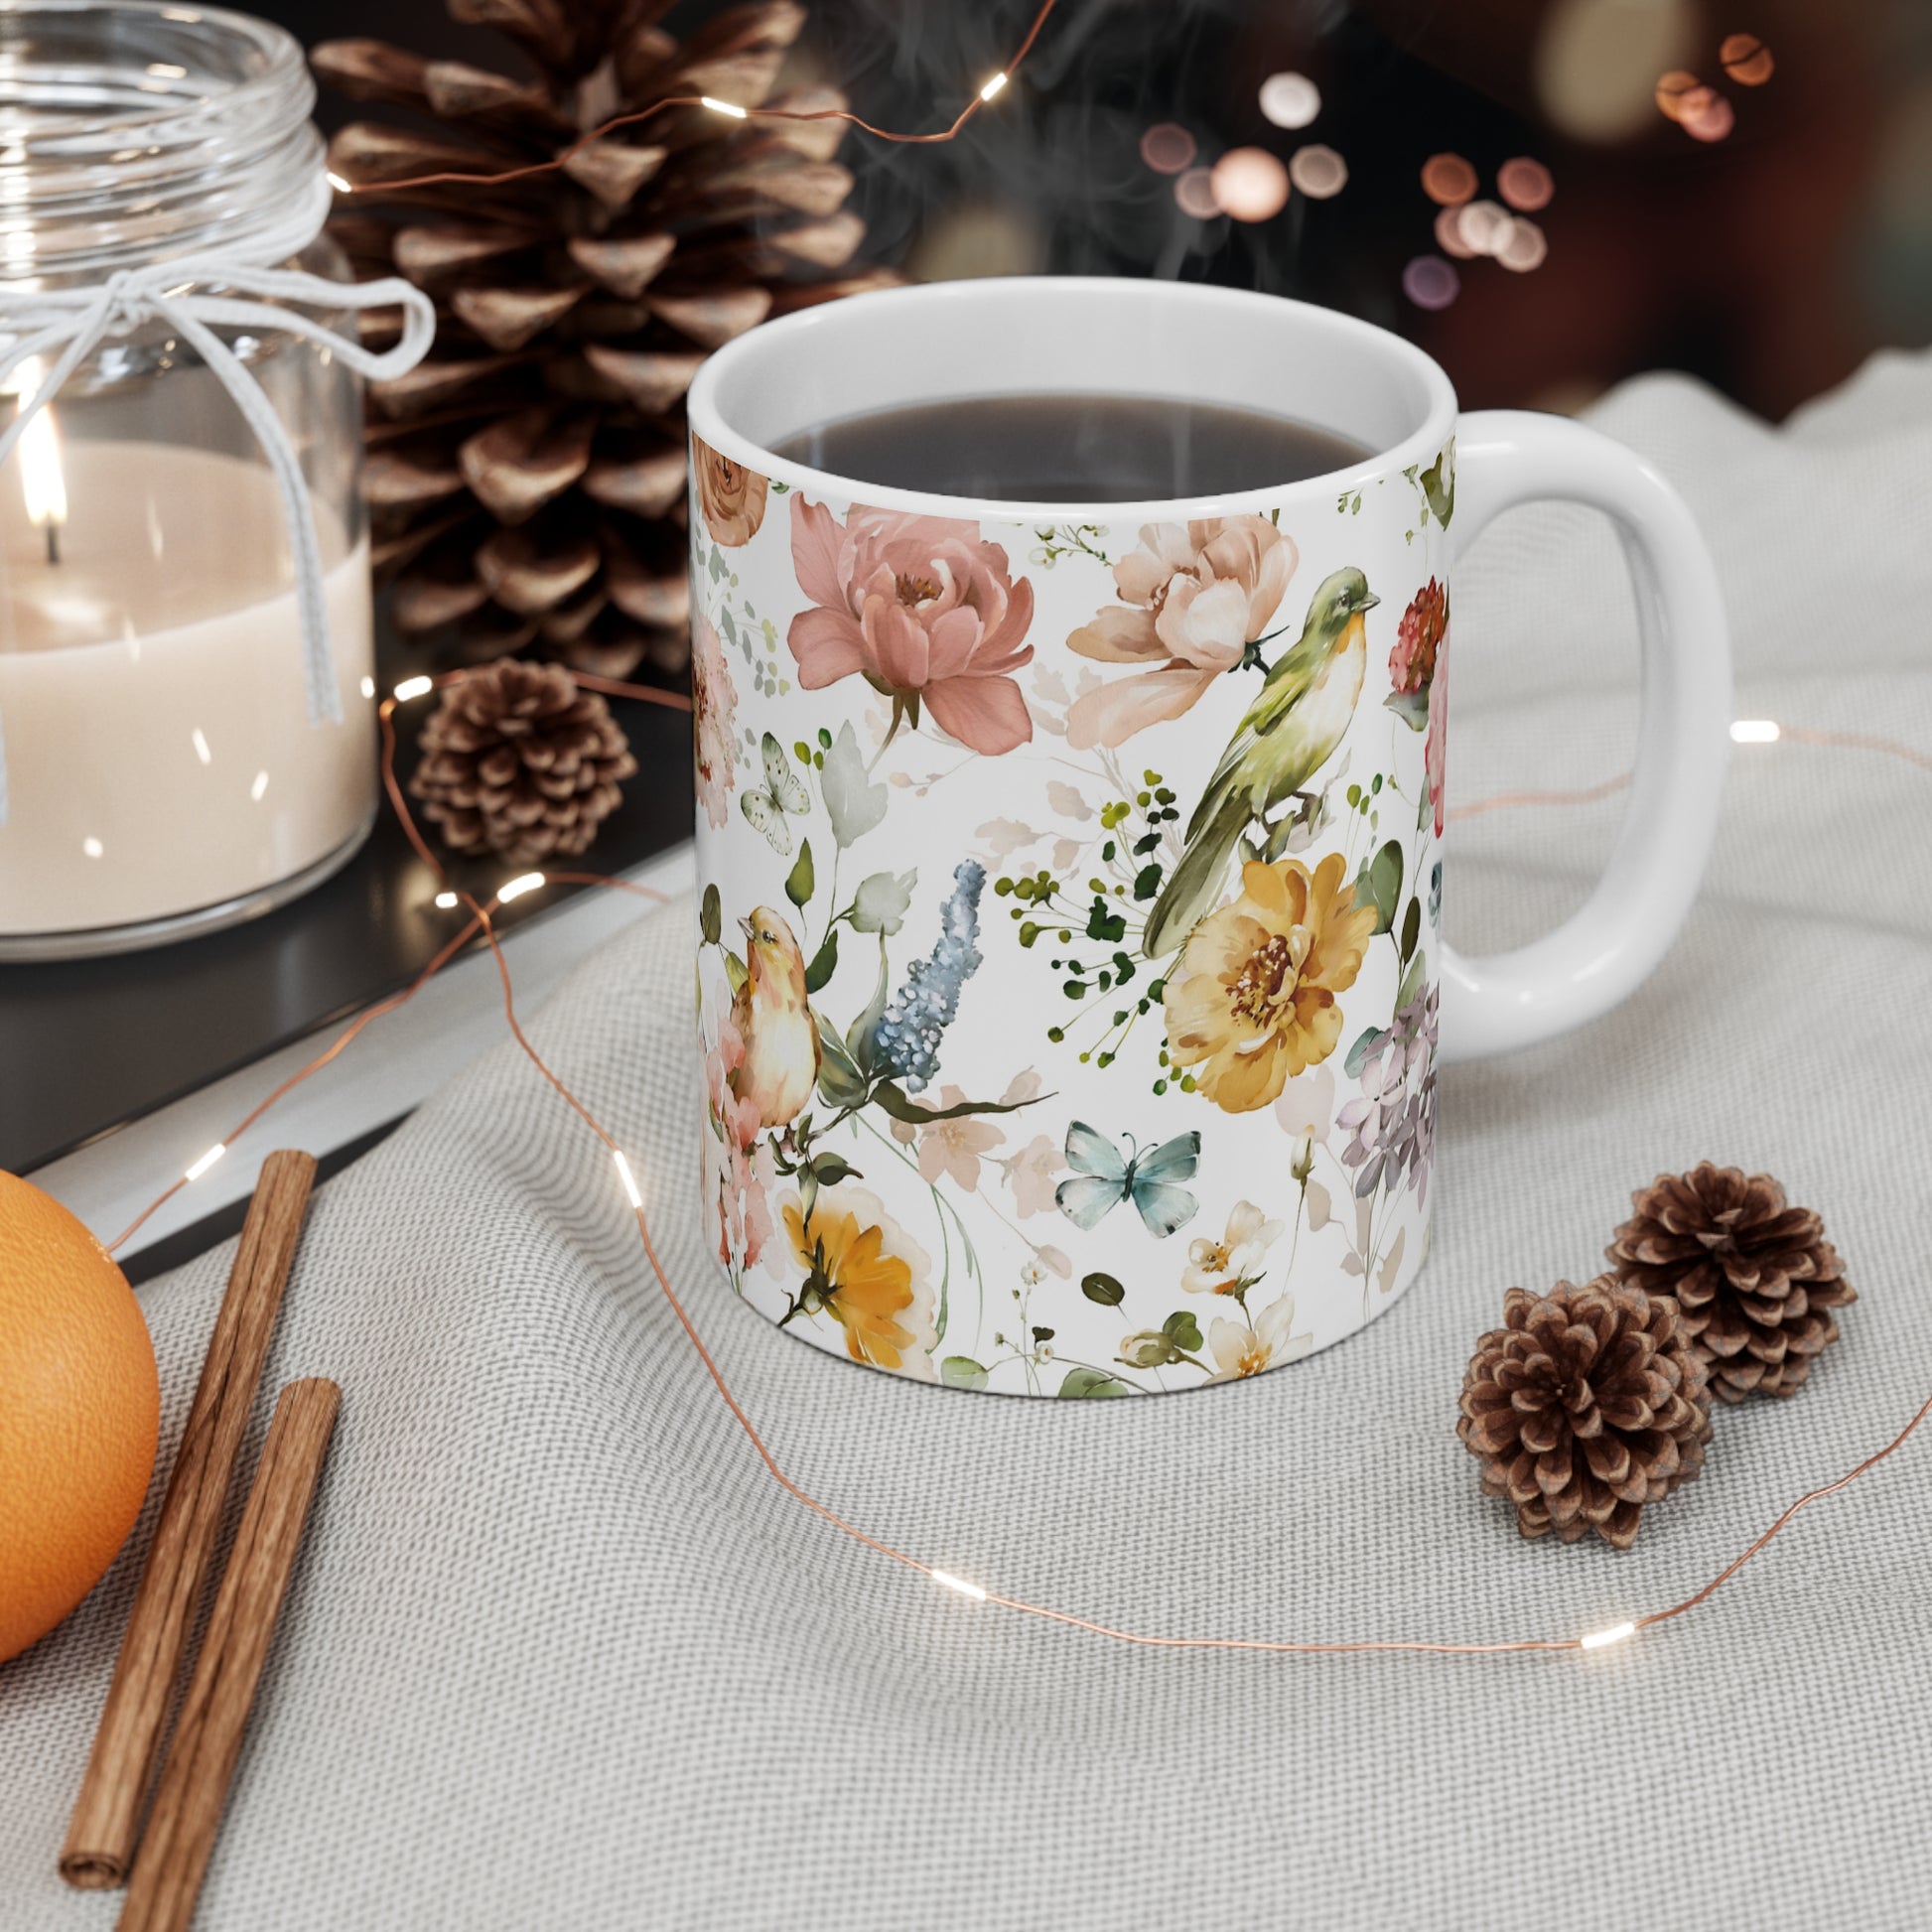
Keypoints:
pixel 168 769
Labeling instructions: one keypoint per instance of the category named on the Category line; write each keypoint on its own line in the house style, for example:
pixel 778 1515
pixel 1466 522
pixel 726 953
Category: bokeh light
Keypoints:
pixel 1525 246
pixel 1746 59
pixel 1168 148
pixel 1194 191
pixel 1431 283
pixel 1250 184
pixel 1290 99
pixel 1672 88
pixel 1595 61
pixel 1318 171
pixel 1484 228
pixel 1708 118
pixel 1525 183
pixel 1447 179
pixel 1448 233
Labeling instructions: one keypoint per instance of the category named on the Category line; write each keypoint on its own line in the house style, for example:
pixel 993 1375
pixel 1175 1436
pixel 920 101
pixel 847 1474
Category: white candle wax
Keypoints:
pixel 159 750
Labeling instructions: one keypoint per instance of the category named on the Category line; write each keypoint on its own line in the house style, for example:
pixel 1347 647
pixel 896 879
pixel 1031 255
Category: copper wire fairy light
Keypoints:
pixel 986 91
pixel 481 922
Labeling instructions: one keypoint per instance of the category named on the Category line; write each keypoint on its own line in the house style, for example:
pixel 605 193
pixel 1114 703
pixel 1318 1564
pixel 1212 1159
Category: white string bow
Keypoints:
pixel 70 324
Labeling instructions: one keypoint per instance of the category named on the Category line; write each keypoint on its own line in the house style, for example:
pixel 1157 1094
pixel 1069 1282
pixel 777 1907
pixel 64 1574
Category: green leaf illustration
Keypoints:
pixel 902 1106
pixel 1411 929
pixel 1439 485
pixel 1358 1054
pixel 711 916
pixel 852 802
pixel 1383 878
pixel 859 1036
pixel 831 1169
pixel 1103 1289
pixel 1091 1384
pixel 1412 706
pixel 802 880
pixel 824 963
pixel 962 1372
pixel 879 904
pixel 1412 979
pixel 841 1083
pixel 1183 1329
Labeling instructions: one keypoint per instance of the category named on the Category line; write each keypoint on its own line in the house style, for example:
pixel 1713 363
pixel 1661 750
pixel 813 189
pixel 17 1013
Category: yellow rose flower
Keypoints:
pixel 868 1275
pixel 1251 1001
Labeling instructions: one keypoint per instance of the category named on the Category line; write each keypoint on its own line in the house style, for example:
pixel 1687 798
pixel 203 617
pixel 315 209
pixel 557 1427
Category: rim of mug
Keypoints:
pixel 1420 445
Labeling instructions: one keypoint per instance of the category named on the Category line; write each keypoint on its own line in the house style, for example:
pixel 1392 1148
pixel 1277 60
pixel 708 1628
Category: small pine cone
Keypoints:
pixel 1587 1404
pixel 1756 1279
pixel 520 763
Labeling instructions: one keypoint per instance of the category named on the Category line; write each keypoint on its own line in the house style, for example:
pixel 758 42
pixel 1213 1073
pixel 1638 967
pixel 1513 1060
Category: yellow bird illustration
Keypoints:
pixel 782 1051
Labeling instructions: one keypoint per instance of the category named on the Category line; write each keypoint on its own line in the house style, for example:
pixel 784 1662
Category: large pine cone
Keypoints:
pixel 1756 1279
pixel 520 763
pixel 1585 1405
pixel 527 481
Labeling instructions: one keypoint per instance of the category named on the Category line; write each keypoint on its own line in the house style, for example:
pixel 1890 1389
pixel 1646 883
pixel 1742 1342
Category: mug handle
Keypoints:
pixel 1498 1002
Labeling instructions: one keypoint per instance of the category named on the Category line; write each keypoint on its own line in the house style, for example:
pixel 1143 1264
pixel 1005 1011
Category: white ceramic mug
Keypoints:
pixel 1070 962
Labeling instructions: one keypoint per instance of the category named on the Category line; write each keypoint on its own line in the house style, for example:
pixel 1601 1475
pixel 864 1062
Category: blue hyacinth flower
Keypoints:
pixel 906 1039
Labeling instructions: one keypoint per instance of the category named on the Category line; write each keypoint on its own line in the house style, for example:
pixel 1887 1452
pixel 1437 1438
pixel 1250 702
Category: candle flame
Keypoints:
pixel 42 481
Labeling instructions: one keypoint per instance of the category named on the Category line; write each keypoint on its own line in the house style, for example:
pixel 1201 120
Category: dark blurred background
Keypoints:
pixel 1769 256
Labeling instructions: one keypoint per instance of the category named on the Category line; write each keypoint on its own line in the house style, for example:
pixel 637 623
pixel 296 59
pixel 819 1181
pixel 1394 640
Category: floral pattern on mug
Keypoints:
pixel 969 979
pixel 713 712
pixel 1253 999
pixel 921 607
pixel 730 498
pixel 1198 598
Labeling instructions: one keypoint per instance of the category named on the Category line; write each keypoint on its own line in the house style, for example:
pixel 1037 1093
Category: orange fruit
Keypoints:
pixel 79 1412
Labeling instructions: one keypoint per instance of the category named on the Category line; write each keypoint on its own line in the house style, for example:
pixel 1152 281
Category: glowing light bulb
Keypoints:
pixel 732 108
pixel 444 901
pixel 1755 730
pixel 1615 1634
pixel 947 1580
pixel 340 186
pixel 414 687
pixel 207 1160
pixel 993 86
pixel 525 881
pixel 628 1178
pixel 368 687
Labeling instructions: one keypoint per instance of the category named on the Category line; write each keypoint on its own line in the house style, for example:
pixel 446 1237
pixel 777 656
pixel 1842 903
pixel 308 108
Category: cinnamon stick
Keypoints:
pixel 106 1816
pixel 179 1838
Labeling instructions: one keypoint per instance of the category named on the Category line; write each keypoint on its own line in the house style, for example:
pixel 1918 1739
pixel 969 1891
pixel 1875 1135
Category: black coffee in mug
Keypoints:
pixel 1072 449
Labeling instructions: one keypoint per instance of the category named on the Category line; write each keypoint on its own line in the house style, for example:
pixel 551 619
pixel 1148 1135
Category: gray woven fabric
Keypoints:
pixel 561 1654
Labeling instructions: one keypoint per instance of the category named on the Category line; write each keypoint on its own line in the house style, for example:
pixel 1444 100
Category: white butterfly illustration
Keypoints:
pixel 782 791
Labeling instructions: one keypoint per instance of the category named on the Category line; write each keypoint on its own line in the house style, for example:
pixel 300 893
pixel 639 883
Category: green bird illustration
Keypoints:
pixel 1290 730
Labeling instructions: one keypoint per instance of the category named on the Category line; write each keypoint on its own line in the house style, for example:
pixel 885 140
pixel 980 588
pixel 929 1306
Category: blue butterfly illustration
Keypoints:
pixel 1102 1180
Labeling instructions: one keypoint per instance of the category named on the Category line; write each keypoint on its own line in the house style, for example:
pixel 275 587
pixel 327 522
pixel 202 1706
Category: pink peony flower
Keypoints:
pixel 1198 595
pixel 714 704
pixel 1434 752
pixel 920 607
